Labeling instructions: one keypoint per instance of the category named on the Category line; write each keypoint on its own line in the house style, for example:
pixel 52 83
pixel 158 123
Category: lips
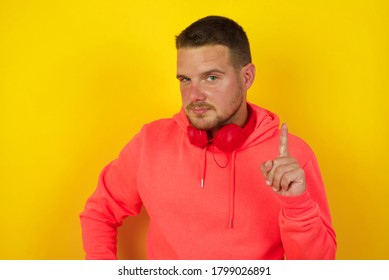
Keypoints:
pixel 199 109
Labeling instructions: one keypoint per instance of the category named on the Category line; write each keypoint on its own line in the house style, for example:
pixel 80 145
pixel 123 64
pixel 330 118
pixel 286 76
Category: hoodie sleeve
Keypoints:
pixel 114 199
pixel 305 221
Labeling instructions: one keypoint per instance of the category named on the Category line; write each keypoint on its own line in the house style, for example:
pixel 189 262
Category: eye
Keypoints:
pixel 183 79
pixel 211 78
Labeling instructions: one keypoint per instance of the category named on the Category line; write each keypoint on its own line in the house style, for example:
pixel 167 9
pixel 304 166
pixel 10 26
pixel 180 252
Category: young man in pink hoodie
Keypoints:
pixel 219 180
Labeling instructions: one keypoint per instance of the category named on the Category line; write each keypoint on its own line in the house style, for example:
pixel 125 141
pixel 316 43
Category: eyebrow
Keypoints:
pixel 206 73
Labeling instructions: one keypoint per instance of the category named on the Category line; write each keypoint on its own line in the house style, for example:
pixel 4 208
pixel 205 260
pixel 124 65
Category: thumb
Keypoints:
pixel 266 167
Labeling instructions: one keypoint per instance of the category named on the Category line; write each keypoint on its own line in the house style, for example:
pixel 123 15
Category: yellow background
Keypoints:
pixel 79 78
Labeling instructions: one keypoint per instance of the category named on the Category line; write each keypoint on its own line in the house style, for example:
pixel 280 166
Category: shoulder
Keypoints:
pixel 153 134
pixel 300 149
pixel 298 143
pixel 159 132
pixel 159 127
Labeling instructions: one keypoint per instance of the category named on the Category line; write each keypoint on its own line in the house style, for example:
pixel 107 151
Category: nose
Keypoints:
pixel 196 92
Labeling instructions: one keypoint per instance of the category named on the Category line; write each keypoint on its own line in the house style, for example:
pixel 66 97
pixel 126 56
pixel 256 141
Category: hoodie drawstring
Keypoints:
pixel 232 190
pixel 203 167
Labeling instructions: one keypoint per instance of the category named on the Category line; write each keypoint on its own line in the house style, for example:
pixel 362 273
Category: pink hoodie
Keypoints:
pixel 207 204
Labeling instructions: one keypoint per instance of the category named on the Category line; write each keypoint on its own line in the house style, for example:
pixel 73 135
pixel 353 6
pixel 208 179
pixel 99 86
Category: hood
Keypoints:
pixel 266 124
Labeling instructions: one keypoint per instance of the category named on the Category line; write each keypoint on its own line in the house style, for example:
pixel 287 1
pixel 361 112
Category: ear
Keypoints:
pixel 247 75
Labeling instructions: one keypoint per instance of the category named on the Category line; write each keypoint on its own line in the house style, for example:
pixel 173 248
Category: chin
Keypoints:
pixel 202 124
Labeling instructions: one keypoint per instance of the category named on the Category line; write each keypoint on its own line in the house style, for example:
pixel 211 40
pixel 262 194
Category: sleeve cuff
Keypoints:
pixel 297 206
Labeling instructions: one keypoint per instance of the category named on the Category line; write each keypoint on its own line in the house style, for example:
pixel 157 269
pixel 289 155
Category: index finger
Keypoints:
pixel 283 149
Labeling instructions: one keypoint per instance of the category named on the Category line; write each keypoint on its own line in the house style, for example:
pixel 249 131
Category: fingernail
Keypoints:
pixel 268 182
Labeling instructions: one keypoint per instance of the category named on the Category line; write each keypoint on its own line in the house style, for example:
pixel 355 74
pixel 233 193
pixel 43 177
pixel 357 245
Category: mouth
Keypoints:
pixel 199 109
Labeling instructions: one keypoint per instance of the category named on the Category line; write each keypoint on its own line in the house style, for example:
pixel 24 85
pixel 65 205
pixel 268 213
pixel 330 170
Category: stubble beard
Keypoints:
pixel 219 120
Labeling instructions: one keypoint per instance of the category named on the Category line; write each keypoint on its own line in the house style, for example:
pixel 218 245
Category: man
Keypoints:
pixel 219 180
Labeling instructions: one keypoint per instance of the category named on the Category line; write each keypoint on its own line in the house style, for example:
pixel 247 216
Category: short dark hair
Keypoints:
pixel 217 30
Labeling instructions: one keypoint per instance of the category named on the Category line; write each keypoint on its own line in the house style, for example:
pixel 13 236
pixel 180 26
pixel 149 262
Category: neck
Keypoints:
pixel 239 117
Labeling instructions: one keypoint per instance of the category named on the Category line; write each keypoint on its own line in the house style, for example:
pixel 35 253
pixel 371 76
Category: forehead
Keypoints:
pixel 203 57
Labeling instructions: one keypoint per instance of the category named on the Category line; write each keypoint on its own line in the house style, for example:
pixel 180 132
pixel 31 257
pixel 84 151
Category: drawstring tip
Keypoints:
pixel 230 225
pixel 202 183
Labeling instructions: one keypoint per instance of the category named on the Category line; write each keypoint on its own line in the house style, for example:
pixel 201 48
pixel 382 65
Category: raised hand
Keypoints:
pixel 284 173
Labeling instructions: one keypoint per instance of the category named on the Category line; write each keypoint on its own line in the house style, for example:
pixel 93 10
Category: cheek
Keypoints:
pixel 184 94
pixel 225 92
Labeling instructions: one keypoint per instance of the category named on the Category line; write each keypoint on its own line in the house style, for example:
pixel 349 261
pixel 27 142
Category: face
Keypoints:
pixel 213 92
